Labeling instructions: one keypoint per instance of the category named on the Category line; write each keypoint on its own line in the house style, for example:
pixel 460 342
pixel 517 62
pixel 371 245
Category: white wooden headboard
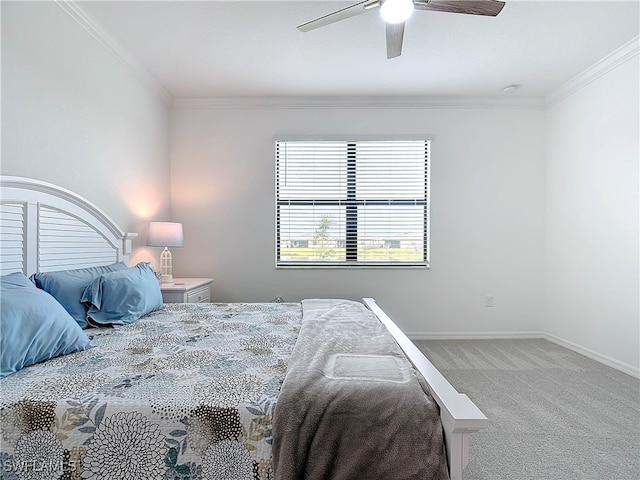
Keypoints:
pixel 44 227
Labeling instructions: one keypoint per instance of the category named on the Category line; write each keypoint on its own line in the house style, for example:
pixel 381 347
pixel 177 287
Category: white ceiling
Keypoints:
pixel 252 48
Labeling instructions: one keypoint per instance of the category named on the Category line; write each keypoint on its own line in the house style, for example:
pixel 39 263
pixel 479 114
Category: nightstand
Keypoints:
pixel 187 290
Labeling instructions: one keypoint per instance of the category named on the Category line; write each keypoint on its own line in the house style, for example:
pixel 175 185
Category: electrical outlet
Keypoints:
pixel 488 300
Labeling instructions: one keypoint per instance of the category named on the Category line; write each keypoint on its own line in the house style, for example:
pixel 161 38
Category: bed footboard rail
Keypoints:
pixel 460 416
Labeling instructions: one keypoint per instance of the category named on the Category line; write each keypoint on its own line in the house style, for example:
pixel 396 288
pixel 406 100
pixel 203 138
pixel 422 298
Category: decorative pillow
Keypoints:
pixel 122 297
pixel 67 286
pixel 33 326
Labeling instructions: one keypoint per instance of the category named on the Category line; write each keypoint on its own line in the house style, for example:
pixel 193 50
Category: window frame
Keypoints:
pixel 351 238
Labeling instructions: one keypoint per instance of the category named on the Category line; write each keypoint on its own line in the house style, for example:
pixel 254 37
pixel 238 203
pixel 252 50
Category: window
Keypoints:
pixel 352 203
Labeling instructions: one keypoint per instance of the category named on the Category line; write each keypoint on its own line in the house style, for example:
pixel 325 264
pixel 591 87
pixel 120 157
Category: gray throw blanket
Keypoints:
pixel 351 406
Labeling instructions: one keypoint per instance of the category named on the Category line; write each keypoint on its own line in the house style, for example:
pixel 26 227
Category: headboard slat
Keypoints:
pixel 12 226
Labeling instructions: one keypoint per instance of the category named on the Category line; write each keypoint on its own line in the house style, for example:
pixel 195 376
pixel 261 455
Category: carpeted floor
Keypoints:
pixel 553 414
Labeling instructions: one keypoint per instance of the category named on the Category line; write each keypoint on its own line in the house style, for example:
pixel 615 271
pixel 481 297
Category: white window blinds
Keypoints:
pixel 352 203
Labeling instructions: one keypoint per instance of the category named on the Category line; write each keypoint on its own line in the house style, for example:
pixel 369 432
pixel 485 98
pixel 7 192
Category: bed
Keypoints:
pixel 213 391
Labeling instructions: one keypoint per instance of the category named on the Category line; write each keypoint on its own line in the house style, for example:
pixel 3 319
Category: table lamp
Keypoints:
pixel 165 234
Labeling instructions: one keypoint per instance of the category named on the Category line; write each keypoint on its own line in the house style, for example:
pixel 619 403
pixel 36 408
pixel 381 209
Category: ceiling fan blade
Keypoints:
pixel 473 7
pixel 338 15
pixel 395 33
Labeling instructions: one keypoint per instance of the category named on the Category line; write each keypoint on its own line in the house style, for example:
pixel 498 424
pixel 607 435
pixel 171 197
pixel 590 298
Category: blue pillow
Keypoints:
pixel 33 326
pixel 122 297
pixel 67 286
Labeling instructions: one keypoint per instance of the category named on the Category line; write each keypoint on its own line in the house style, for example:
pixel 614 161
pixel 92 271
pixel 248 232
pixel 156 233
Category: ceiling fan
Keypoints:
pixel 395 12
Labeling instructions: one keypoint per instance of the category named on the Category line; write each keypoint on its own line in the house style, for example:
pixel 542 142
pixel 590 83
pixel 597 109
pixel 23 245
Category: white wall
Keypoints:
pixel 74 115
pixel 592 236
pixel 487 207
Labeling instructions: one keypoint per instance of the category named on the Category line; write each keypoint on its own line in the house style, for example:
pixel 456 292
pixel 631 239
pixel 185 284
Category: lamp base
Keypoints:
pixel 166 279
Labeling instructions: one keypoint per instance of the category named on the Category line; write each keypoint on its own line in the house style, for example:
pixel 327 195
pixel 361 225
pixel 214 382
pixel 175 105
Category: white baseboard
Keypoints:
pixel 610 362
pixel 472 335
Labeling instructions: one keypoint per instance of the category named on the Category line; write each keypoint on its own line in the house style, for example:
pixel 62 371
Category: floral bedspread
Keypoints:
pixel 187 392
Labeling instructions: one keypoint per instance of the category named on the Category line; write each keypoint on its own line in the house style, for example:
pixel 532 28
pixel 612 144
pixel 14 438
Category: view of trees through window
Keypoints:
pixel 352 203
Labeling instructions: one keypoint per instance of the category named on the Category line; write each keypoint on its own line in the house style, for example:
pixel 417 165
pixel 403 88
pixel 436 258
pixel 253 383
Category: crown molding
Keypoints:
pixel 598 69
pixel 608 63
pixel 106 41
pixel 359 102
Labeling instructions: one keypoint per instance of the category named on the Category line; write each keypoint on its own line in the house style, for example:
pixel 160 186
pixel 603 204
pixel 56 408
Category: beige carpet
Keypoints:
pixel 553 414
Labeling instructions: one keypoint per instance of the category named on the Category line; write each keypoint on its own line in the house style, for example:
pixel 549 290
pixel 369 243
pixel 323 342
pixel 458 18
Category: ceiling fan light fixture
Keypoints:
pixel 396 11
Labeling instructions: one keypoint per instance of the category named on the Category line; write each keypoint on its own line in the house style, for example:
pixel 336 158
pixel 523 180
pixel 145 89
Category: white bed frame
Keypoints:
pixel 459 415
pixel 44 227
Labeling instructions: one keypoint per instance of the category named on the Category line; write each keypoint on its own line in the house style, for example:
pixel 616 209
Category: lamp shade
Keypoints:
pixel 165 234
